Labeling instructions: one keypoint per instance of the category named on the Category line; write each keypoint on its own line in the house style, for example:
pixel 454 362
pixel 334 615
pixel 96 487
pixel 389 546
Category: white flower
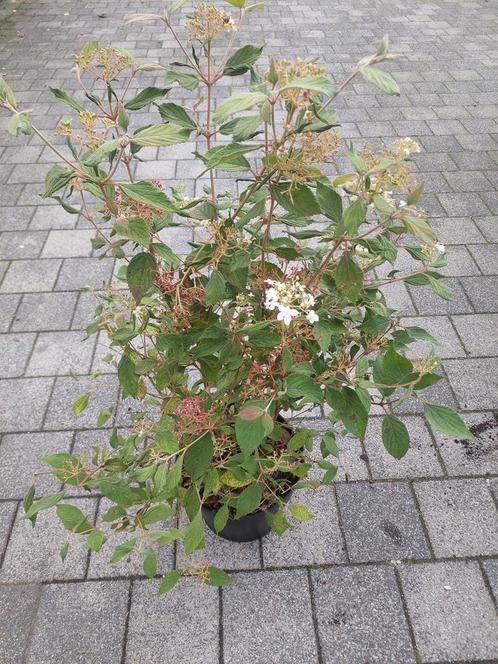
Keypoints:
pixel 441 248
pixel 312 317
pixel 271 300
pixel 286 315
pixel 402 203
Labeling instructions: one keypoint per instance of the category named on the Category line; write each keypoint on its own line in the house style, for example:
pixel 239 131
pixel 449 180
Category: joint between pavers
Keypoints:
pixel 10 529
pixel 127 622
pixel 314 618
pixel 340 524
pixel 34 619
pixel 487 583
pixel 422 520
pixel 397 576
pixel 221 650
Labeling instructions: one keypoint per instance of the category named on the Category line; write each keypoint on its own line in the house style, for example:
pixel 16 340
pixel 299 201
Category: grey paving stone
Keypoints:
pixel 451 612
pixel 360 616
pixel 133 565
pixel 220 552
pixel 14 353
pixel 79 623
pixel 59 353
pixel 181 626
pixel 268 615
pixel 155 170
pixel 85 311
pixel 15 218
pixel 59 414
pixel 44 312
pixel 33 553
pixel 8 307
pixel 462 457
pixel 30 276
pixel 17 608
pixel 18 245
pixel 397 296
pixel 468 181
pixel 67 244
pixel 482 292
pixel 7 513
pixel 475 382
pixel 441 329
pixel 491 571
pixel 488 227
pixel 458 205
pixel 20 459
pixel 421 460
pixel 479 333
pixel 428 303
pixel 380 522
pixel 460 262
pixel 440 392
pixel 23 402
pixel 486 257
pixel 460 516
pixel 316 541
pixel 78 273
pixel 52 217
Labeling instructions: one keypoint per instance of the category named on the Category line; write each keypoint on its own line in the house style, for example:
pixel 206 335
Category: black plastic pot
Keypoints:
pixel 246 529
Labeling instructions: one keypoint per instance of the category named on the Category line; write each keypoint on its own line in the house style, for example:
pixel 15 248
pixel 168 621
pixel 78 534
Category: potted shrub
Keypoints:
pixel 277 308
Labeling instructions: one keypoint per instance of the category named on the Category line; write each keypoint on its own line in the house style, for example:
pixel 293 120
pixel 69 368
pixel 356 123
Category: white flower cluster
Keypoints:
pixel 291 299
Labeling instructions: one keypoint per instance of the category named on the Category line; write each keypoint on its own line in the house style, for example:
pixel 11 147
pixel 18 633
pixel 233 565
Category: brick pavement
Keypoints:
pixel 401 563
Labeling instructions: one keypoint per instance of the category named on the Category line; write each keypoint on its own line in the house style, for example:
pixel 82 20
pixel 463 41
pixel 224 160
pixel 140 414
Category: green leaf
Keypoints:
pixel 304 387
pixel 381 79
pixel 221 518
pixel 215 288
pixel 63 96
pixel 354 216
pixel 169 581
pixel 252 425
pixel 242 60
pixel 171 112
pixel 123 550
pixel 217 577
pixel 166 253
pixel 44 503
pixel 349 277
pixel 20 123
pixel 156 513
pixel 242 128
pixel 94 157
pixel 28 501
pixel 350 409
pixel 80 403
pixel 147 193
pixel 6 93
pixel 228 157
pixel 236 3
pixel 140 274
pixel 303 438
pixel 440 288
pixel 63 551
pixel 136 230
pixel 104 415
pixel 145 97
pixel 150 563
pixel 96 540
pixel 329 201
pixel 445 419
pixel 187 81
pixel 161 135
pixel 58 459
pixel 198 456
pixel 56 178
pixel 319 84
pixel 395 436
pixel 73 518
pixel 249 500
pixel 420 228
pixel 194 535
pixel 300 512
pixel 236 103
pixel 301 202
pixel 128 379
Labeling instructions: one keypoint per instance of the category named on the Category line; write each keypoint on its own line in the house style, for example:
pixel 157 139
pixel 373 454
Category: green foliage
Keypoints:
pixel 268 310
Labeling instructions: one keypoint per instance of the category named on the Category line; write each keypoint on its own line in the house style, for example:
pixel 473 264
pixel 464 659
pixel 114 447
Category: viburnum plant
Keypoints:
pixel 277 308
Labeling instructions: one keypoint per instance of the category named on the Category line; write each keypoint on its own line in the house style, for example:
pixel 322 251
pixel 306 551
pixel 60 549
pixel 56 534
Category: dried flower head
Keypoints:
pixel 318 147
pixel 105 63
pixel 207 21
pixel 289 70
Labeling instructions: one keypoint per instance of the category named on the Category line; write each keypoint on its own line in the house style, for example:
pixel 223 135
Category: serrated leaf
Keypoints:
pixel 123 550
pixel 150 563
pixel 155 513
pixel 349 277
pixel 381 79
pixel 304 387
pixel 128 379
pixel 243 128
pixel 169 581
pixel 140 274
pixel 249 500
pixel 147 193
pixel 20 123
pixel 161 135
pixel 215 288
pixel 319 84
pixel 198 456
pixel 395 436
pixel 63 551
pixel 56 178
pixel 145 97
pixel 241 61
pixel 80 403
pixel 300 512
pixel 354 216
pixel 73 518
pixel 217 577
pixel 96 540
pixel 447 421
pixel 420 228
pixel 221 518
pixel 329 201
pixel 194 535
pixel 187 81
pixel 236 103
pixel 174 113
